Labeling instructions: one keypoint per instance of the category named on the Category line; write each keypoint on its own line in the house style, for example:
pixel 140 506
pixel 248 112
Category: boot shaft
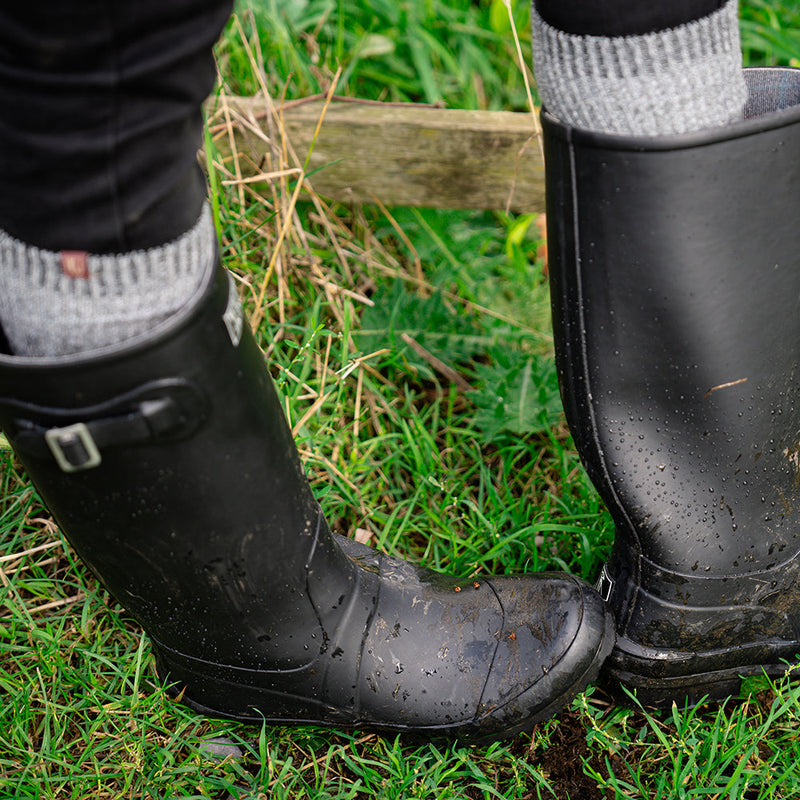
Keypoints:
pixel 675 268
pixel 169 464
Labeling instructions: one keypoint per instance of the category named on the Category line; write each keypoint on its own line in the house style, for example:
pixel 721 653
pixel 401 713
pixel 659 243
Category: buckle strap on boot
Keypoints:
pixel 605 584
pixel 163 410
pixel 73 447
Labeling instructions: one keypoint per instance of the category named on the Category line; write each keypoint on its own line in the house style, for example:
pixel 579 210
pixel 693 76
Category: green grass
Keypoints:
pixel 478 479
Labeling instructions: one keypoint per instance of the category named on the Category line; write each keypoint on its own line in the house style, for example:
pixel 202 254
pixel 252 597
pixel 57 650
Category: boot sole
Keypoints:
pixel 660 678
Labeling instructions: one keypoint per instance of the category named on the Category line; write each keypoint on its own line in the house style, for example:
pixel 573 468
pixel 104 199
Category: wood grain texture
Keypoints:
pixel 398 154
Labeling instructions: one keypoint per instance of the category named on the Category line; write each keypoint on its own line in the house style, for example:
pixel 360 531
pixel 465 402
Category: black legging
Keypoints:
pixel 101 110
pixel 101 120
pixel 622 17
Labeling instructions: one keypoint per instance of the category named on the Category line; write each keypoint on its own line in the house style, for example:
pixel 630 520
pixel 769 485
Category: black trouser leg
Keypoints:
pixel 102 120
pixel 622 17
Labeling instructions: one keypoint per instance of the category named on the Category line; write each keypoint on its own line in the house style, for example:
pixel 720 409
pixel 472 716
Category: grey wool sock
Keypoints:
pixel 678 80
pixel 61 303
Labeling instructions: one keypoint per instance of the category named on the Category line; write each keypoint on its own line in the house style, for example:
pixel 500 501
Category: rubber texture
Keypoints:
pixel 254 696
pixel 675 268
pixel 186 496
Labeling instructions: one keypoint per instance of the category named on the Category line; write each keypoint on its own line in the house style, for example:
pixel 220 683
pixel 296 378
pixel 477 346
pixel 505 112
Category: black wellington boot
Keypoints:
pixel 169 465
pixel 675 266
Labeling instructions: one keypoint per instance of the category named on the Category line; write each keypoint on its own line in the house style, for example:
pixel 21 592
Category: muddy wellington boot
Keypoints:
pixel 675 265
pixel 168 464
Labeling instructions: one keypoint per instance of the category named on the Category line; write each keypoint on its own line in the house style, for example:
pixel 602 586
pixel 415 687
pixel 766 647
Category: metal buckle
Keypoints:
pixel 605 585
pixel 233 319
pixel 60 440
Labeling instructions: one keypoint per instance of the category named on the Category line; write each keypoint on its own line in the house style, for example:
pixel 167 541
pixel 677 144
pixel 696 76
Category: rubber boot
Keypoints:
pixel 169 466
pixel 675 265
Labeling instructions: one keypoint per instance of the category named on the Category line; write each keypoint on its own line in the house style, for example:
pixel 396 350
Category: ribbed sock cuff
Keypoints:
pixel 674 81
pixel 59 303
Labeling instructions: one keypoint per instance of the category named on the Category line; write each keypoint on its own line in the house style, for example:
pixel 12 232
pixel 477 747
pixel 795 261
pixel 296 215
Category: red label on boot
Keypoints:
pixel 75 263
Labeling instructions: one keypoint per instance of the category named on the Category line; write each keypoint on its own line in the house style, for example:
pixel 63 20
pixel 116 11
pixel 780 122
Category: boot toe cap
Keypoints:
pixel 482 658
pixel 556 634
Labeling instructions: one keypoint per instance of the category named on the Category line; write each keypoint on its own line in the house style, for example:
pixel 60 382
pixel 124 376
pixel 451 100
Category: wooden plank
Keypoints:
pixel 400 154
